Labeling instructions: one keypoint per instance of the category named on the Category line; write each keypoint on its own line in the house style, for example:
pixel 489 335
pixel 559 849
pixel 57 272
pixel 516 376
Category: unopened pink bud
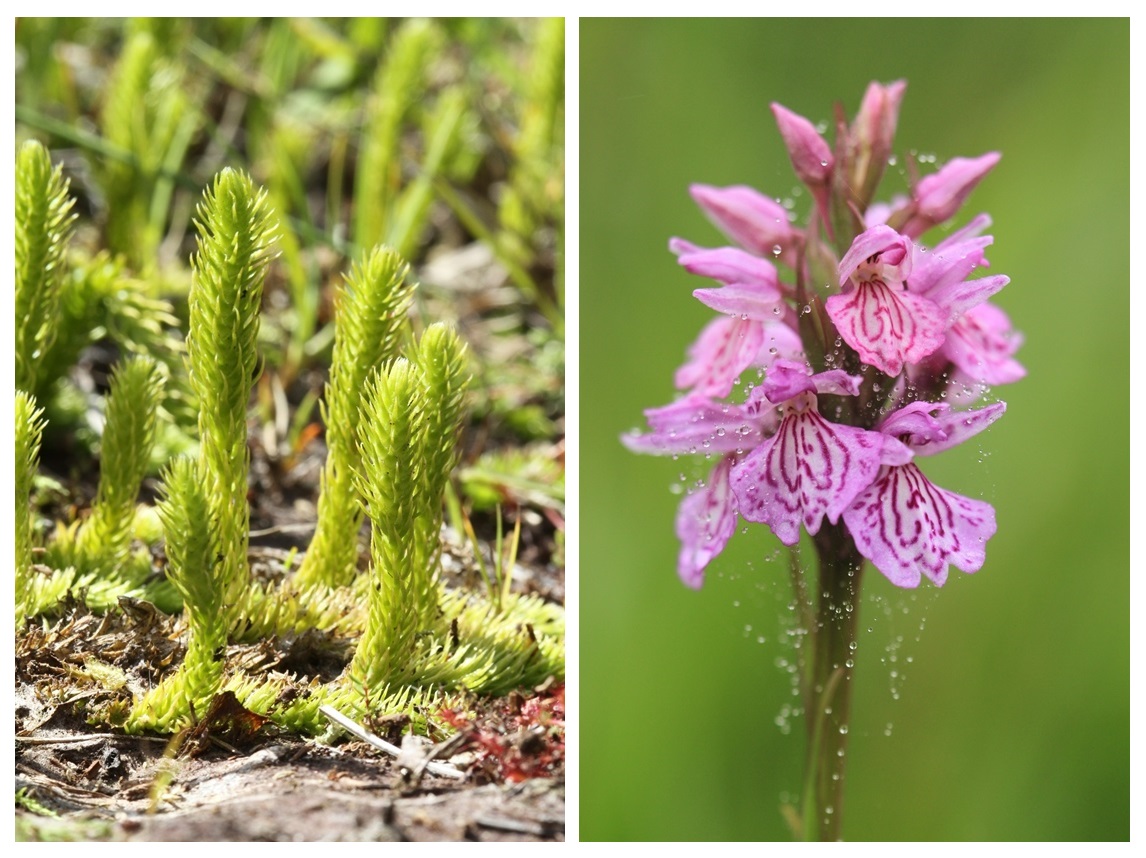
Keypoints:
pixel 811 156
pixel 939 196
pixel 878 115
pixel 749 218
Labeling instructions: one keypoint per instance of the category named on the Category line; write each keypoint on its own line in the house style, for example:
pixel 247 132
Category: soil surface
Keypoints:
pixel 108 787
pixel 237 776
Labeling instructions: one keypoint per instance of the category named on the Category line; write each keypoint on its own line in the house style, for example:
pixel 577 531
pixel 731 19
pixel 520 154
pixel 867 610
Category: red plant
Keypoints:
pixel 519 740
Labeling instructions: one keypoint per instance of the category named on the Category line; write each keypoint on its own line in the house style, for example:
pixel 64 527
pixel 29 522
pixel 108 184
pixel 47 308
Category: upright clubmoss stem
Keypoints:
pixel 831 659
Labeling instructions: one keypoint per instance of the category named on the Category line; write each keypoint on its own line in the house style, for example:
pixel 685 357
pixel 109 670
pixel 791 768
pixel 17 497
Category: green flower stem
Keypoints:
pixel 828 688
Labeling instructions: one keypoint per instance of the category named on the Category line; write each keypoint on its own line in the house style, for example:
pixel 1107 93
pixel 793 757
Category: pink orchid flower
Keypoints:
pixel 982 344
pixel 811 467
pixel 918 315
pixel 903 523
pixel 706 518
pixel 757 326
pixel 877 314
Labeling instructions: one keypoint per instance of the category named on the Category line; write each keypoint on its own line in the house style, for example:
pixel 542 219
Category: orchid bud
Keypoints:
pixel 872 134
pixel 754 221
pixel 938 196
pixel 811 156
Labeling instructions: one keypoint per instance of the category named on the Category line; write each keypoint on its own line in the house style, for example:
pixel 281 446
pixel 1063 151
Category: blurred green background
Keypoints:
pixel 996 708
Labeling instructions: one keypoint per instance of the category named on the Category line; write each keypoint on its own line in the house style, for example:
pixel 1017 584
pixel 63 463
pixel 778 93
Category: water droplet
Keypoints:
pixel 777 250
pixel 843 730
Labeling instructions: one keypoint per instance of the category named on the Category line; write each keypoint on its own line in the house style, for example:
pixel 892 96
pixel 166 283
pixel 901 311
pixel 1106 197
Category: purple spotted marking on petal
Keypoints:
pixel 982 344
pixel 725 348
pixel 810 468
pixel 887 327
pixel 908 527
pixel 705 521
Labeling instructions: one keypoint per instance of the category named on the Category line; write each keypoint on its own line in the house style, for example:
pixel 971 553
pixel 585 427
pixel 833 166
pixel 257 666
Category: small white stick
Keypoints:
pixel 332 714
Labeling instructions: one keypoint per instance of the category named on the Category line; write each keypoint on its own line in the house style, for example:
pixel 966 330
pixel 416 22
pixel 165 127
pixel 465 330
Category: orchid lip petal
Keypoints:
pixel 887 328
pixel 808 470
pixel 908 527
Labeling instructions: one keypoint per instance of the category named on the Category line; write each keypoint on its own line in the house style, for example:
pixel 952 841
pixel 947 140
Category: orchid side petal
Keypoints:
pixel 982 344
pixel 730 265
pixel 958 426
pixel 918 421
pixel 940 195
pixel 698 425
pixel 726 347
pixel 705 521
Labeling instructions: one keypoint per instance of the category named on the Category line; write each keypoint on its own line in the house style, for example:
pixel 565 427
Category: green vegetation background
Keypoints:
pixel 1012 716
